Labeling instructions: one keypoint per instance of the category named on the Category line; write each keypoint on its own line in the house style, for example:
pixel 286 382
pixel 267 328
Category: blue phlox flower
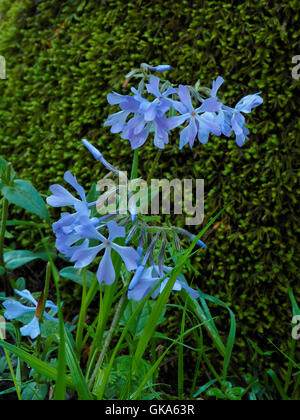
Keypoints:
pixel 137 131
pixel 64 229
pixel 216 86
pixel 62 197
pixel 249 102
pixel 200 121
pixel 150 277
pixel 150 116
pixel 143 260
pixel 14 310
pixel 128 104
pixel 147 115
pixel 238 123
pixel 161 104
pixel 236 118
pixel 84 256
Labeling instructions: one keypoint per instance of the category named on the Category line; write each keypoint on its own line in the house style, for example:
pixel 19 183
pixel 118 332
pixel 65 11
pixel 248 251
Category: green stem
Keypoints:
pixel 80 326
pixel 135 164
pixel 46 292
pixel 154 165
pixel 105 306
pixel 109 337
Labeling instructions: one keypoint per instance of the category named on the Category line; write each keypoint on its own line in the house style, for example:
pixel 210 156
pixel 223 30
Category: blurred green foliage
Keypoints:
pixel 63 57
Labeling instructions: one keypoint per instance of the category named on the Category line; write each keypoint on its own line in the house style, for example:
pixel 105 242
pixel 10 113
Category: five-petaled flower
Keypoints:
pixel 65 228
pixel 15 309
pixel 85 255
pixel 200 120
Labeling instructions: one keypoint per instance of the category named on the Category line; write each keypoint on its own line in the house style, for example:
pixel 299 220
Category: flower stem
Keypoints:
pixel 156 160
pixel 45 292
pixel 109 337
pixel 135 163
pixel 80 325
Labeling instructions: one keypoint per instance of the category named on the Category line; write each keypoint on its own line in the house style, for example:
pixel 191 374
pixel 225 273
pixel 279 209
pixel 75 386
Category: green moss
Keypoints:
pixel 63 57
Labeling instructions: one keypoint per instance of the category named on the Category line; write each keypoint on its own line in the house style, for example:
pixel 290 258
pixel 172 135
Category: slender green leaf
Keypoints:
pixel 35 363
pixel 76 372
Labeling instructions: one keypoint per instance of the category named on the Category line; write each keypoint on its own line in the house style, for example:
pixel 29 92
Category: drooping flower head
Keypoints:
pixel 14 310
pixel 238 121
pixel 74 231
pixel 65 228
pixel 150 277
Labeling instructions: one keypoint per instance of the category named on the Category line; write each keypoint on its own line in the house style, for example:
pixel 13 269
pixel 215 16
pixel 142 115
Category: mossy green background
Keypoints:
pixel 63 57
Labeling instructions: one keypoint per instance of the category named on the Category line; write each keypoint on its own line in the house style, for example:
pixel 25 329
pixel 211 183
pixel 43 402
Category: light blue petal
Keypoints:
pixel 161 137
pixel 135 279
pixel 87 230
pixel 193 293
pixel 85 257
pixel 151 112
pixel 115 98
pixel 185 97
pixel 106 271
pixel 216 85
pixel 15 309
pixel 184 137
pixel 25 294
pixel 50 305
pixel 115 231
pixel 71 179
pixel 117 121
pixel 153 86
pixel 32 329
pixel 61 197
pixel 140 291
pixel 128 255
pixel 209 105
pixel 161 68
pixel 248 103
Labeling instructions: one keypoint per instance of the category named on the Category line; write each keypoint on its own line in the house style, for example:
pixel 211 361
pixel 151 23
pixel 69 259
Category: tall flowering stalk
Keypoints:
pixel 124 244
pixel 151 108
